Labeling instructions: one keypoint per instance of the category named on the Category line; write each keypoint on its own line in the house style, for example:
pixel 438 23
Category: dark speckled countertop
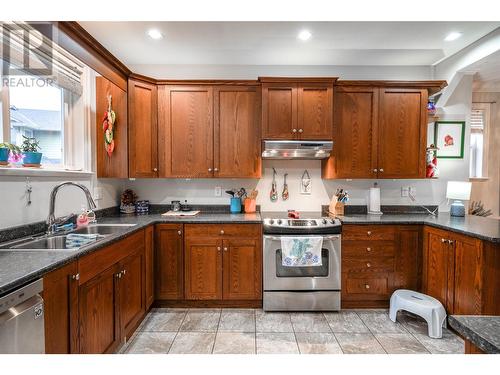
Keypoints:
pixel 482 331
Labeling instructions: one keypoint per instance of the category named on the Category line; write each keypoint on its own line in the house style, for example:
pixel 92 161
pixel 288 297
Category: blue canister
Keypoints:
pixel 235 206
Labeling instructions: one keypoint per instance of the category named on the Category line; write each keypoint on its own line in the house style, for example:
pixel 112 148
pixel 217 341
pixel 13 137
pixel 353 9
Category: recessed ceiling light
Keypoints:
pixel 452 36
pixel 155 34
pixel 304 35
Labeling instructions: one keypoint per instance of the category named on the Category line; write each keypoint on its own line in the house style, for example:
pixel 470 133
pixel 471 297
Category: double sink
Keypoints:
pixel 70 240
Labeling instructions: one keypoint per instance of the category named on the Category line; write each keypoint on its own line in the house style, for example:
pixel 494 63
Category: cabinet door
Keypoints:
pixel 237 132
pixel 132 288
pixel 169 262
pixel 315 111
pixel 115 166
pixel 149 265
pixel 142 125
pixel 402 134
pixel 186 131
pixel 355 134
pixel 279 111
pixel 467 296
pixel 99 328
pixel 203 268
pixel 242 269
pixel 438 270
pixel 60 296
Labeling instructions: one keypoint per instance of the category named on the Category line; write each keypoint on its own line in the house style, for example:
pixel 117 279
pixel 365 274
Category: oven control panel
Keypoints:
pixel 298 226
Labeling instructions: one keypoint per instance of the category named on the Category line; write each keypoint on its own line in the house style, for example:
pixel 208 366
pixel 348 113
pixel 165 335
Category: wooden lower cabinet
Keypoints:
pixel 169 262
pixel 149 254
pixel 60 294
pixel 376 260
pixel 223 262
pixel 461 272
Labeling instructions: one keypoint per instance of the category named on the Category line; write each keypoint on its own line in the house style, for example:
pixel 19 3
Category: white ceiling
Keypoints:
pixel 276 43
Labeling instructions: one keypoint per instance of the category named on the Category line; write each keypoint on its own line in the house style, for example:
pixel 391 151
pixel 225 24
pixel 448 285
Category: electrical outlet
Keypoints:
pixel 404 191
pixel 218 191
pixel 97 193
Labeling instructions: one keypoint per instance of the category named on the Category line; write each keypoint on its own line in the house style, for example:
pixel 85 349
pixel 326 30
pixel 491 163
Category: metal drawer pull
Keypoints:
pixel 368 265
pixel 381 170
pixel 179 232
pixel 218 248
pixel 216 169
pixel 367 286
pixel 225 249
pixel 375 170
pixel 124 272
pixel 294 130
pixel 451 242
pixel 369 233
pixel 369 249
pixel 222 231
pixel 443 240
pixel 76 277
pixel 210 169
pixel 300 130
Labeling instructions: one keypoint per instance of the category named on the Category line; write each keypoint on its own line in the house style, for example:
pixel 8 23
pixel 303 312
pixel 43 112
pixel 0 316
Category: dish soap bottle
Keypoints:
pixel 83 219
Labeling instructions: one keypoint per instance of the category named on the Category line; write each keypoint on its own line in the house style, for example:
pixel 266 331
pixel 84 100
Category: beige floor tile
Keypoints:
pixel 317 343
pixel 237 321
pixel 359 343
pixel 276 343
pixel 234 343
pixel 345 321
pixel 309 322
pixel 150 343
pixel 379 322
pixel 201 320
pixel 193 343
pixel 400 343
pixel 449 344
pixel 273 321
pixel 163 321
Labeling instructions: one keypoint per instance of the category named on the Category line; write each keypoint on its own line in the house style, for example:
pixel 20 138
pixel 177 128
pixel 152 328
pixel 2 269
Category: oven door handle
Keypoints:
pixel 332 237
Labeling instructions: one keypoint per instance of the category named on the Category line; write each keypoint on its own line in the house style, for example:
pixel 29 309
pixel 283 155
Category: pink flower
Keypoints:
pixel 15 158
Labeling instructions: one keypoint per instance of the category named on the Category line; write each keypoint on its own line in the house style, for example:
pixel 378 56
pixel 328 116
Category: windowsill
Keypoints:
pixel 42 172
pixel 478 179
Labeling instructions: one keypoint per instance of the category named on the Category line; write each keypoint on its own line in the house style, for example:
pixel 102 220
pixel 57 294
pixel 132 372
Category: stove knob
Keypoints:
pixel 271 221
pixel 332 221
pixel 279 221
pixel 324 221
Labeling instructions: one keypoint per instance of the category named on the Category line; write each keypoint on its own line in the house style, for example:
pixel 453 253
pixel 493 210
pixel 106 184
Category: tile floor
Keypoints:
pixel 250 331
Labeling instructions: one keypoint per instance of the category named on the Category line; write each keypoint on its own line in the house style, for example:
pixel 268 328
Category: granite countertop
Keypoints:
pixel 480 227
pixel 18 267
pixel 482 331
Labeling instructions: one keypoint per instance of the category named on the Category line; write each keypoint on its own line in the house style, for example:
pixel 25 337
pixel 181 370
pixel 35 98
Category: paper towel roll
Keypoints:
pixel 374 200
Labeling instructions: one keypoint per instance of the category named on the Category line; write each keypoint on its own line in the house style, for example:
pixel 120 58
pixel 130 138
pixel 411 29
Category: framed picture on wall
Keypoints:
pixel 449 138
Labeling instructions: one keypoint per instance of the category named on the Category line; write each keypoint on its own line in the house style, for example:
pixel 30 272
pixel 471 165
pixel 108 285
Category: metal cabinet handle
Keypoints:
pixel 368 265
pixel 118 275
pixel 179 232
pixel 216 169
pixel 124 272
pixel 218 249
pixel 368 249
pixel 367 286
pixel 294 130
pixel 443 240
pixel 155 169
pixel 210 169
pixel 369 233
pixel 451 242
pixel 300 130
pixel 76 277
pixel 375 170
pixel 222 231
pixel 381 169
pixel 225 249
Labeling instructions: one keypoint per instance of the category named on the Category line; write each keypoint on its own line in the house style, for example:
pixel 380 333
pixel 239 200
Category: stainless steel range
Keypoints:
pixel 301 288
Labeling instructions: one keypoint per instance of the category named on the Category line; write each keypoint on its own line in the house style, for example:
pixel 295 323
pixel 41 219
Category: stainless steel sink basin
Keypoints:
pixel 72 240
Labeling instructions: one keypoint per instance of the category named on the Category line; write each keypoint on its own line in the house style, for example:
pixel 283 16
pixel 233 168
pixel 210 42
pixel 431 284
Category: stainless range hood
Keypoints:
pixel 296 149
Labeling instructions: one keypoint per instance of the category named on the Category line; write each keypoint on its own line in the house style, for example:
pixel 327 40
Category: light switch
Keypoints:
pixel 218 191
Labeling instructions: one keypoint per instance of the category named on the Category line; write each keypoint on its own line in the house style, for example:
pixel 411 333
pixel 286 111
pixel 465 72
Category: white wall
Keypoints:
pixel 16 211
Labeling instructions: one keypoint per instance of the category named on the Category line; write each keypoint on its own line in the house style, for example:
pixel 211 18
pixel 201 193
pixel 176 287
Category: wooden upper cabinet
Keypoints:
pixel 315 111
pixel 402 134
pixel 143 136
pixel 169 262
pixel 355 135
pixel 279 110
pixel 116 165
pixel 186 131
pixel 237 114
pixel 242 269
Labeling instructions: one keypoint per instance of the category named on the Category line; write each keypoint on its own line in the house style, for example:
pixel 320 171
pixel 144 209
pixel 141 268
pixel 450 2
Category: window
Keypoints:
pixel 478 140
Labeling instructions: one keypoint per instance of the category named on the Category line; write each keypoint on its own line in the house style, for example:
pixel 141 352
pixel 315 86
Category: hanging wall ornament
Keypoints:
pixel 108 126
pixel 285 194
pixel 273 194
pixel 305 183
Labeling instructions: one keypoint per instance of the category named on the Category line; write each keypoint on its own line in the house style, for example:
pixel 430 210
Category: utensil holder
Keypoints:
pixel 339 209
pixel 235 206
pixel 250 205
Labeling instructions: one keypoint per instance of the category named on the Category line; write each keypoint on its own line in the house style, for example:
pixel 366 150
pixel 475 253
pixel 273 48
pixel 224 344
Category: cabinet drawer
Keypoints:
pixel 367 286
pixel 222 230
pixel 367 249
pixel 372 264
pixel 368 232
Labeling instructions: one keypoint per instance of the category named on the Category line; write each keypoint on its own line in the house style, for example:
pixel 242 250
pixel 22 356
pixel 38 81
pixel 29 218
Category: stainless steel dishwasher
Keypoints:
pixel 21 321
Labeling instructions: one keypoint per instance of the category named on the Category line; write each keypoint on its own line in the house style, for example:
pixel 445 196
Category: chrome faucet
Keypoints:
pixel 52 222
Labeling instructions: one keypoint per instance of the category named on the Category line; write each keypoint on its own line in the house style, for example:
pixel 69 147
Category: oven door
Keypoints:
pixel 279 277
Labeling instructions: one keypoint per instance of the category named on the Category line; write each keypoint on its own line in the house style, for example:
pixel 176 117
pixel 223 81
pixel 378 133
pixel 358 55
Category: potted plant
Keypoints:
pixel 31 156
pixel 6 149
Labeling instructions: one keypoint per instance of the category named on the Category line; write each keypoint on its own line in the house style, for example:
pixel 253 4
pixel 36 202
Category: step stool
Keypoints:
pixel 422 305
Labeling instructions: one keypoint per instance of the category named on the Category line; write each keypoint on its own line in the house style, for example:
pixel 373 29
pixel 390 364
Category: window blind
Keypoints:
pixel 66 71
pixel 477 119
